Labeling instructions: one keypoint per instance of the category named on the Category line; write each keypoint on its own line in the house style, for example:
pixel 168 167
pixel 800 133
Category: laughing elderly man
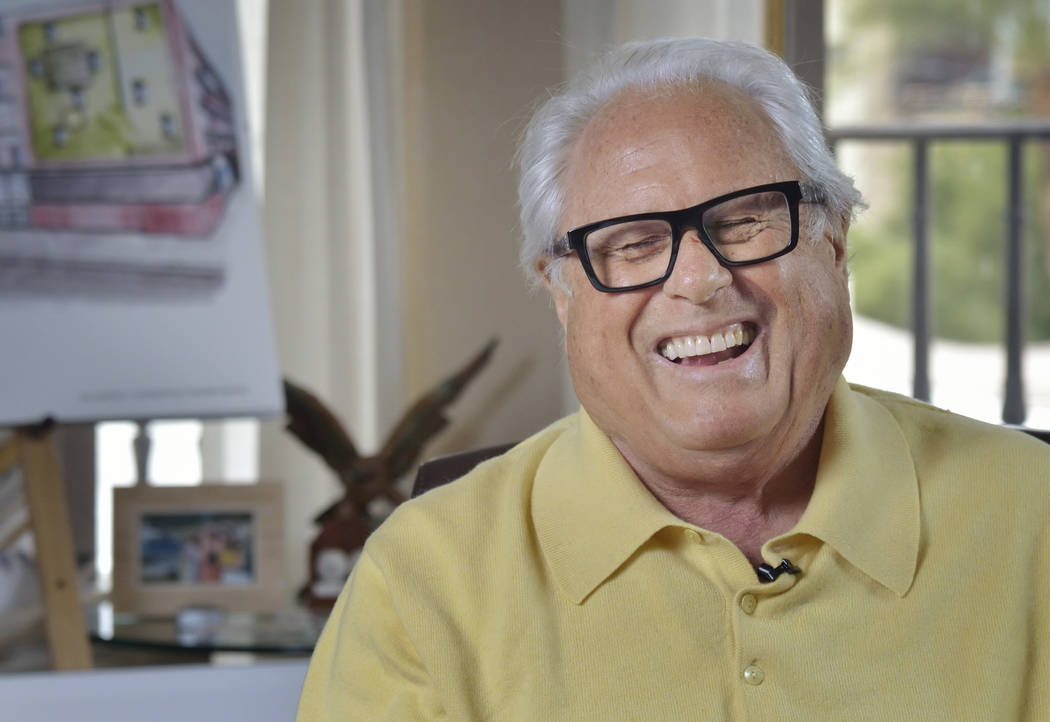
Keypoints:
pixel 726 529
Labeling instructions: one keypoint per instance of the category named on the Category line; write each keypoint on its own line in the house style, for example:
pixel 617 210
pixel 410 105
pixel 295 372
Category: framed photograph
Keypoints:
pixel 214 545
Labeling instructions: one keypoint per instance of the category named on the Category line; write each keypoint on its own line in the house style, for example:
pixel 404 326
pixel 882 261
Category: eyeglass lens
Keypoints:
pixel 744 228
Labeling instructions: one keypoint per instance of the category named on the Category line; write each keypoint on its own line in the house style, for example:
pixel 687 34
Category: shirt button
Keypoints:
pixel 754 675
pixel 748 602
pixel 694 535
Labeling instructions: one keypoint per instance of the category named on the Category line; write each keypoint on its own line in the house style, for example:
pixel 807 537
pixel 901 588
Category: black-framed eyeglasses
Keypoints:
pixel 741 228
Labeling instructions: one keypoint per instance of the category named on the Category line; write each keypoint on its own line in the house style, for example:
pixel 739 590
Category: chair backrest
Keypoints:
pixel 444 469
pixel 1041 434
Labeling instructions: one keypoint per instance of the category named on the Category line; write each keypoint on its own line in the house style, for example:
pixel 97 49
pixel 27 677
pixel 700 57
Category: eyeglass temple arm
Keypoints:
pixel 812 193
pixel 560 247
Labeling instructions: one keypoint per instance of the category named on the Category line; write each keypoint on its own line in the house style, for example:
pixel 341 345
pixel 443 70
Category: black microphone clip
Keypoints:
pixel 767 573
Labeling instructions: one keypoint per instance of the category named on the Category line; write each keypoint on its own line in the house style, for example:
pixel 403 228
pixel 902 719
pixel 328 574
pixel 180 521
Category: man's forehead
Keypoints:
pixel 708 104
pixel 718 127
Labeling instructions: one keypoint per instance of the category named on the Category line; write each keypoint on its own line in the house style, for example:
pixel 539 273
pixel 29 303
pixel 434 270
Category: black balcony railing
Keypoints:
pixel 919 137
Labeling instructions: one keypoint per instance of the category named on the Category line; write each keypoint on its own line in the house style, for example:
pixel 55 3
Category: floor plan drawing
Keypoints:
pixel 113 125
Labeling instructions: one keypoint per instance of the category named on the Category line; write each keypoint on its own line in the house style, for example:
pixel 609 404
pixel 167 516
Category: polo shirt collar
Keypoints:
pixel 865 502
pixel 592 513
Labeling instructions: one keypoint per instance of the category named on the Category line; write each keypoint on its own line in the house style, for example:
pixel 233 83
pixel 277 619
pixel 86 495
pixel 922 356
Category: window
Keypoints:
pixel 940 114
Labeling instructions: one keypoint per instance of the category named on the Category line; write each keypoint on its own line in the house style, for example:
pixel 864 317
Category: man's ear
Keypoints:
pixel 559 295
pixel 835 232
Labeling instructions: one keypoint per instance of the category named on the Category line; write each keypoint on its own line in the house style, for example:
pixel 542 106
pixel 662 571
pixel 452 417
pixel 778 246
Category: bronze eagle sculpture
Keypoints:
pixel 365 478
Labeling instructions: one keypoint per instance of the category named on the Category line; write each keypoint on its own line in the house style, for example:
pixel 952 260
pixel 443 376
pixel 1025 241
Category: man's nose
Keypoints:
pixel 697 275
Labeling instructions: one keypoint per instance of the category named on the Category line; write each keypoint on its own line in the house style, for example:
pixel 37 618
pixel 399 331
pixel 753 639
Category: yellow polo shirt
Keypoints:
pixel 549 584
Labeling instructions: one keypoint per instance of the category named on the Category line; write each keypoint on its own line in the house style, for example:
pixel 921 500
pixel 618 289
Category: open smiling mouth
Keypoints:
pixel 708 350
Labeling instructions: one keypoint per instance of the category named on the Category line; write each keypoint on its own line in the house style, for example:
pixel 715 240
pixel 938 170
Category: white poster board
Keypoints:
pixel 132 282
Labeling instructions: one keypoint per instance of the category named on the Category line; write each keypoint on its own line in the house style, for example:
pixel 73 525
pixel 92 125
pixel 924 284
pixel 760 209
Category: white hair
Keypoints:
pixel 543 156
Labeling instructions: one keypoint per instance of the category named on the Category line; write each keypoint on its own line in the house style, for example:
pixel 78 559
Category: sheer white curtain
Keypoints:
pixel 319 225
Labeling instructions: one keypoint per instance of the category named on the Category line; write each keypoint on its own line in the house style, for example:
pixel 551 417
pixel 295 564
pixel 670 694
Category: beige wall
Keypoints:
pixel 472 71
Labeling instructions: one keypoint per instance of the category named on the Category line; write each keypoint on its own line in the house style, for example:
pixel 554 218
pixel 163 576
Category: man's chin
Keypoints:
pixel 738 421
pixel 741 404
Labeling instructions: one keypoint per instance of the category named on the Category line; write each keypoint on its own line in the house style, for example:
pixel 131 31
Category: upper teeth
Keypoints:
pixel 685 346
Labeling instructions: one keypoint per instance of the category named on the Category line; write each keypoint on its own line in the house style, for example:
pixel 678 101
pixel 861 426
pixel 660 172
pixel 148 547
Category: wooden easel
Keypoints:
pixel 33 448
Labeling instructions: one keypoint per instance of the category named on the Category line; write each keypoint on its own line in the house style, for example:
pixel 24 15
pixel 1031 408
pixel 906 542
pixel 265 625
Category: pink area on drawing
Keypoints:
pixel 179 219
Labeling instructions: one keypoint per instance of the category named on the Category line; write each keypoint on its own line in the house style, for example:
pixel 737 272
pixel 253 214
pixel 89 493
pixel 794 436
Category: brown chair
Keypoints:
pixel 1041 434
pixel 443 469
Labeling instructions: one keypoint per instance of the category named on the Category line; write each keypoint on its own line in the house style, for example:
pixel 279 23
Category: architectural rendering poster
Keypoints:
pixel 132 282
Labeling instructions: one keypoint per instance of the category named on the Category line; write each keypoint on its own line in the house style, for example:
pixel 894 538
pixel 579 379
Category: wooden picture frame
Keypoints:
pixel 213 545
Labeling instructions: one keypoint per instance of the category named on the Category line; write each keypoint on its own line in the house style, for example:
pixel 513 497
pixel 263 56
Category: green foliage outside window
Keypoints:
pixel 967 181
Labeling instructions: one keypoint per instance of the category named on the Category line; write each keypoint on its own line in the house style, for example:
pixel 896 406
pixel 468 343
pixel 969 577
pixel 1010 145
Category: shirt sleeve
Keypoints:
pixel 364 665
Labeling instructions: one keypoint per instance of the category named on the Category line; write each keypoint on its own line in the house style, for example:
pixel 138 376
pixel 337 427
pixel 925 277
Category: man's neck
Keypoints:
pixel 742 501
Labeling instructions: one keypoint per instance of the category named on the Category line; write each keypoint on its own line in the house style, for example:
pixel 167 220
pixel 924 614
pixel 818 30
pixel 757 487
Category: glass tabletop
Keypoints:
pixel 293 631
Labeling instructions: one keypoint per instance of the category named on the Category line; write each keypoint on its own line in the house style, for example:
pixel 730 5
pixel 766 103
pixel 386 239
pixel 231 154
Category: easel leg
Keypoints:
pixel 49 514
